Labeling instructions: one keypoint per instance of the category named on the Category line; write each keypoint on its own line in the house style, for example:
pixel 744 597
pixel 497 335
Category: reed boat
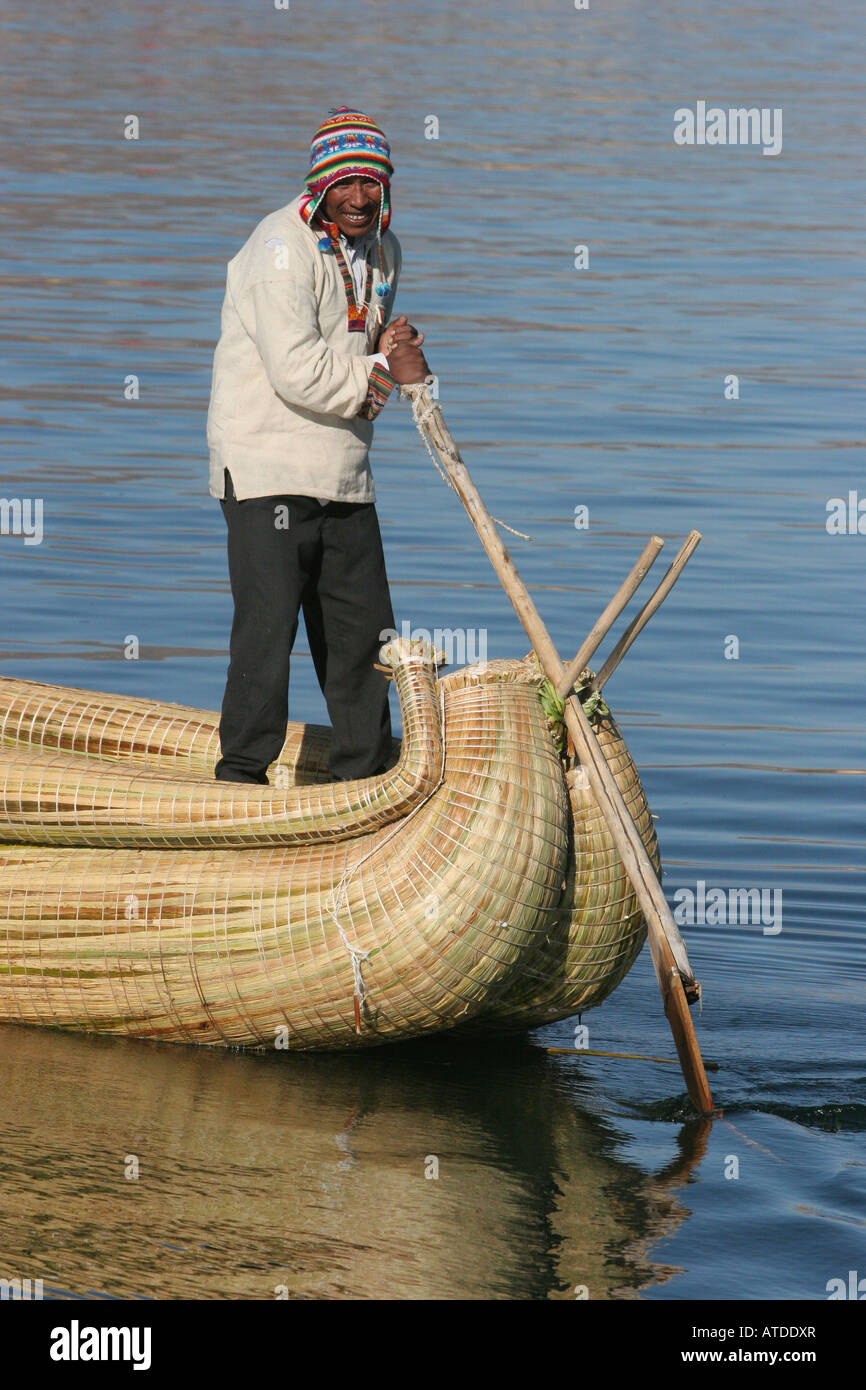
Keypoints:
pixel 501 874
pixel 473 884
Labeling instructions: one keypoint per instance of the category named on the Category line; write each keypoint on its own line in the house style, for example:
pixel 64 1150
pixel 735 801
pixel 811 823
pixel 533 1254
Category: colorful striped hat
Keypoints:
pixel 347 143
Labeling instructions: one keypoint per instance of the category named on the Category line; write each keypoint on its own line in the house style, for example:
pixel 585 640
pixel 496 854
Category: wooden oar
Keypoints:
pixel 669 956
pixel 605 622
pixel 654 602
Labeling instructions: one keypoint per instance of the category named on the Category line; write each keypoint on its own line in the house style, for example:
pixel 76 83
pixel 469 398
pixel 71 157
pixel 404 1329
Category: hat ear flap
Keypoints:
pixel 384 209
pixel 310 203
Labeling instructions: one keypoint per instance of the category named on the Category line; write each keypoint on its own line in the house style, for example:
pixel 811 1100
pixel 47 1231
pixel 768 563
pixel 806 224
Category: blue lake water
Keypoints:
pixel 602 387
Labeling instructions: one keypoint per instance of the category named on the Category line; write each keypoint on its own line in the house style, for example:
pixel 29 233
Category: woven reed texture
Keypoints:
pixel 596 933
pixel 67 798
pixel 397 931
pixel 152 734
pixel 599 929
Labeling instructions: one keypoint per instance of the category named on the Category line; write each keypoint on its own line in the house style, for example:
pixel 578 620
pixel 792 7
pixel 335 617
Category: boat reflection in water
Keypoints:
pixel 260 1176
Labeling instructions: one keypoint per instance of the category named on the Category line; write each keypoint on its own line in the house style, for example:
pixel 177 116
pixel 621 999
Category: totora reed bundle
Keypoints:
pixel 474 883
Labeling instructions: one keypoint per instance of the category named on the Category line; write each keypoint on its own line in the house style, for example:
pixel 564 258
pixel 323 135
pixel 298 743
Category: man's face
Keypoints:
pixel 353 203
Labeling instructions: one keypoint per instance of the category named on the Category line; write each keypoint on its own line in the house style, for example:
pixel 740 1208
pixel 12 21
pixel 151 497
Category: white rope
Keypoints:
pixel 336 901
pixel 421 413
pixel 356 955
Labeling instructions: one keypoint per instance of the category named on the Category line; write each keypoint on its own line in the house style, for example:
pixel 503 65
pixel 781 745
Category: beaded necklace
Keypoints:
pixel 357 312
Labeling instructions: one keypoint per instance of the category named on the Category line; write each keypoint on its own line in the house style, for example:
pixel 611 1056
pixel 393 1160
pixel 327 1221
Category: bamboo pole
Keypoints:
pixel 605 622
pixel 667 948
pixel 653 603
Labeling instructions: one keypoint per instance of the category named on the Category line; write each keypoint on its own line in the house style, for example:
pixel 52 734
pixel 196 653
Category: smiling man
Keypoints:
pixel 307 357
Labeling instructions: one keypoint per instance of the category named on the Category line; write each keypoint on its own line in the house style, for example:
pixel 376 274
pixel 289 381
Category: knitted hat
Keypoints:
pixel 347 143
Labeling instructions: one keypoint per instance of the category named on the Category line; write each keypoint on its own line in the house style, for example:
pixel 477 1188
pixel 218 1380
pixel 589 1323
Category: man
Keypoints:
pixel 306 359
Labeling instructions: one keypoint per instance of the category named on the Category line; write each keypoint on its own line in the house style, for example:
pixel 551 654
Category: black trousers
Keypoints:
pixel 286 553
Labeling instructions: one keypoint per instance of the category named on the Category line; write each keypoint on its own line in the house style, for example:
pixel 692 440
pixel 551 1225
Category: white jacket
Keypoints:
pixel 288 377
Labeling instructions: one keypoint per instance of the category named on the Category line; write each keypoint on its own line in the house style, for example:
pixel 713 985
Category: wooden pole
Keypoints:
pixel 667 949
pixel 605 622
pixel 654 602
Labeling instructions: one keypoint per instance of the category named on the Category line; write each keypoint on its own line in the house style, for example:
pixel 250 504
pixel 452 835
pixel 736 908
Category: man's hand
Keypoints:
pixel 407 364
pixel 401 344
pixel 399 331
